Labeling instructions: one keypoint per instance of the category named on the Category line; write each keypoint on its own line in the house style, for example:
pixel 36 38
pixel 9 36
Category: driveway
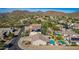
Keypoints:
pixel 15 40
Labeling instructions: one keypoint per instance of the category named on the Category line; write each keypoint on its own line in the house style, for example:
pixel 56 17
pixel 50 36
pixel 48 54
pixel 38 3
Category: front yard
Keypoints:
pixel 31 47
pixel 76 31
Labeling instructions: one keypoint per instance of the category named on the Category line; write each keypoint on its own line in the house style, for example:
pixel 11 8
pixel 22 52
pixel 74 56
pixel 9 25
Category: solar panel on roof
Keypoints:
pixel 74 38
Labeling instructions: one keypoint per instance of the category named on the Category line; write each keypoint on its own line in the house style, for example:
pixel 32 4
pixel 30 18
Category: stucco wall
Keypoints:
pixel 38 42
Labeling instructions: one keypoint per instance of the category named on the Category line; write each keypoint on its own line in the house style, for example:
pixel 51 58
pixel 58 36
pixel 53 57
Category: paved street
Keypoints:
pixel 15 41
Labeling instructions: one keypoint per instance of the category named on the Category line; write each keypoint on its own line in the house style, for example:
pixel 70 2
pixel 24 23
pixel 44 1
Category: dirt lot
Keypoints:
pixel 51 47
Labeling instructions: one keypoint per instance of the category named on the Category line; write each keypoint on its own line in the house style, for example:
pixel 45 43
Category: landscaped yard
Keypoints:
pixel 76 30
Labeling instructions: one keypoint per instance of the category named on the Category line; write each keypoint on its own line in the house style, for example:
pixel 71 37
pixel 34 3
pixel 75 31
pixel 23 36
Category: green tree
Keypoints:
pixel 44 28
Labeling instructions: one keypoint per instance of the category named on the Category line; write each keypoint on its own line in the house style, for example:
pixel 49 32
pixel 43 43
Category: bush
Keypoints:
pixel 2 45
pixel 76 31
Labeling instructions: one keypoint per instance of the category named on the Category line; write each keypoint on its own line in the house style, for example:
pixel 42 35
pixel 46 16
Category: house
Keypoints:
pixel 34 29
pixel 61 21
pixel 74 40
pixel 75 26
pixel 39 39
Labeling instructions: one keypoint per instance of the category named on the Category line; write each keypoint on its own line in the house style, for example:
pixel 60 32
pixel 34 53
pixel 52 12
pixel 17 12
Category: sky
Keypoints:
pixel 65 10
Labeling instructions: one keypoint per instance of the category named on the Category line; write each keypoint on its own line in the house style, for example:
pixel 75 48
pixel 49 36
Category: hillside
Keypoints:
pixel 13 18
pixel 52 13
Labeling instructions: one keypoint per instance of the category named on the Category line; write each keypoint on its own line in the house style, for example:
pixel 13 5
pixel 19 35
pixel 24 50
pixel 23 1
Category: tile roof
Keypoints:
pixel 39 37
pixel 35 26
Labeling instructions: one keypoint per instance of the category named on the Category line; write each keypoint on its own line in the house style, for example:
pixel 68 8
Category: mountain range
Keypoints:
pixel 49 13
